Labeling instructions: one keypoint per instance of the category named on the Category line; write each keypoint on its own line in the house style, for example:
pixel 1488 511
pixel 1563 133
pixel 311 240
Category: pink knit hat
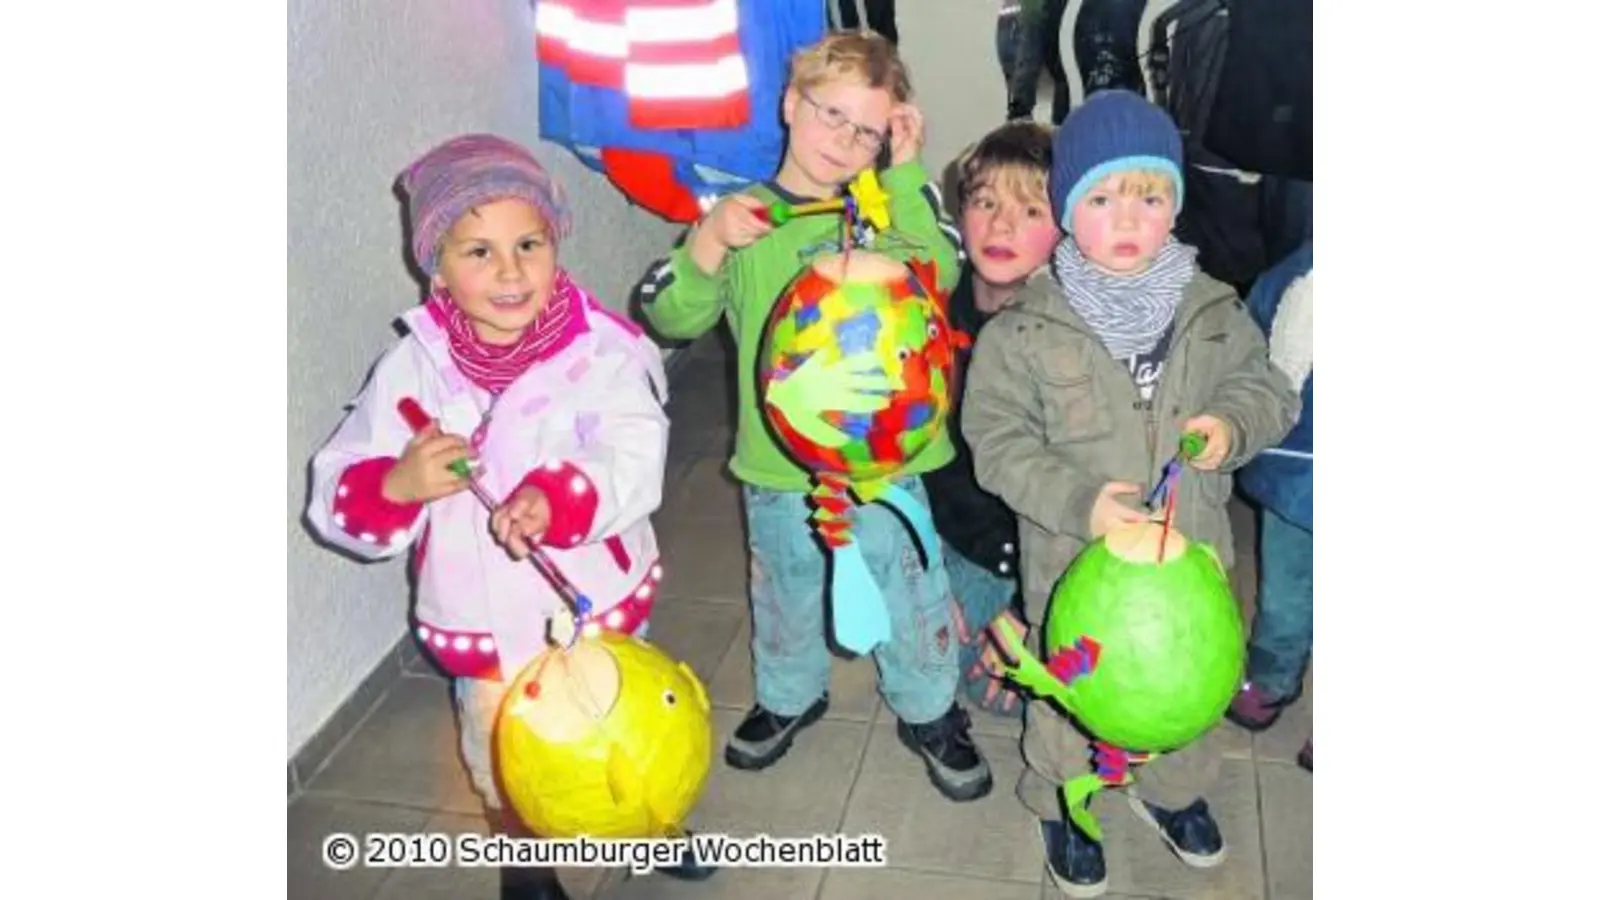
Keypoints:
pixel 470 171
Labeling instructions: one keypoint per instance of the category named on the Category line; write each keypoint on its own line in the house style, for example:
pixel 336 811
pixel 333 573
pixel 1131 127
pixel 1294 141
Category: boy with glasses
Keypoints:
pixel 848 100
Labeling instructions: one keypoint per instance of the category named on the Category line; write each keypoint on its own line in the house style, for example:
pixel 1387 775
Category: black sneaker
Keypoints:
pixel 1076 863
pixel 1191 833
pixel 764 736
pixel 691 869
pixel 954 764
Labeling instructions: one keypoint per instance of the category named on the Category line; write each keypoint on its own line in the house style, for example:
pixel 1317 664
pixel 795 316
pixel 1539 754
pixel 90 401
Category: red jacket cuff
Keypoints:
pixel 573 502
pixel 361 510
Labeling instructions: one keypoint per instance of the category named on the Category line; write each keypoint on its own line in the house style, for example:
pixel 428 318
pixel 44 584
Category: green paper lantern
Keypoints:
pixel 1167 636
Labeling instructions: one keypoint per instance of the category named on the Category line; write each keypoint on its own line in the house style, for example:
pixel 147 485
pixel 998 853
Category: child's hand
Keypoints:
pixel 905 133
pixel 422 474
pixel 522 518
pixel 1108 513
pixel 734 222
pixel 1218 440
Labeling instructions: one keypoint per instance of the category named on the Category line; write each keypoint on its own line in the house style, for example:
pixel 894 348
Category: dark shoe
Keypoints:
pixel 691 869
pixel 1304 759
pixel 954 764
pixel 1076 863
pixel 764 736
pixel 1190 833
pixel 1254 709
pixel 523 882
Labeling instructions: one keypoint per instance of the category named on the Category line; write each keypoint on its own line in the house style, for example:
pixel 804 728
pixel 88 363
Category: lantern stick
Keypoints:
pixel 577 605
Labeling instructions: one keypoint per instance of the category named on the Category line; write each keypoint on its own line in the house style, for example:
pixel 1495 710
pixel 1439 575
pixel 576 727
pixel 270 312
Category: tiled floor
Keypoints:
pixel 399 771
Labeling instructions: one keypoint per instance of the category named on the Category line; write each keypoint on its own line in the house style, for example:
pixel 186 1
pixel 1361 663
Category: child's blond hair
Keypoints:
pixel 864 57
pixel 1142 183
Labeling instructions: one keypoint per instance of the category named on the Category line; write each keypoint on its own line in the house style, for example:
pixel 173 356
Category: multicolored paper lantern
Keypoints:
pixel 857 364
pixel 1146 648
pixel 610 738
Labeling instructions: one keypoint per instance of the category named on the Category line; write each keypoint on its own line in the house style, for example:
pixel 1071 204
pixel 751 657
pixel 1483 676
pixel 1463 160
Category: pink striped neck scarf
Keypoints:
pixel 493 367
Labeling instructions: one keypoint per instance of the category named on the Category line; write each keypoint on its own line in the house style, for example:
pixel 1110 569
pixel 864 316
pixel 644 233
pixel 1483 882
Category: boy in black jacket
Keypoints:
pixel 1008 231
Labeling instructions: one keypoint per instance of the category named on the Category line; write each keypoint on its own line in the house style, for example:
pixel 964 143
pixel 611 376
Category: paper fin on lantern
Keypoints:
pixel 1075 796
pixel 916 515
pixel 926 273
pixel 1071 663
pixel 860 617
pixel 622 779
pixel 1027 671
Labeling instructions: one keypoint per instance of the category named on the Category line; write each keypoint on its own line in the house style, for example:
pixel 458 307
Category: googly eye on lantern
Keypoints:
pixel 670 698
pixel 903 354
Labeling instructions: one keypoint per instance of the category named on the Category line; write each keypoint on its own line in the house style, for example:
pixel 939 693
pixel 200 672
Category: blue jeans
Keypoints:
pixel 788 576
pixel 982 594
pixel 1280 645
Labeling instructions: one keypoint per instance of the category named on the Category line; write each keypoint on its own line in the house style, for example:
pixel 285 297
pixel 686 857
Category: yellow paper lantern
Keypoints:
pixel 610 739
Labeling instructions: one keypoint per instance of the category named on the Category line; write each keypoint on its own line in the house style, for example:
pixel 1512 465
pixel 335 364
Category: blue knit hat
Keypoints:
pixel 1113 131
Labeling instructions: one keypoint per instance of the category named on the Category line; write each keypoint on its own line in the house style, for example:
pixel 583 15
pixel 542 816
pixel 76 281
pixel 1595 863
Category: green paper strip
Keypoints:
pixel 1075 795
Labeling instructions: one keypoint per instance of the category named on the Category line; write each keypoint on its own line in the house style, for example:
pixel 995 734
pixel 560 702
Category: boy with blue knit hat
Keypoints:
pixel 1077 395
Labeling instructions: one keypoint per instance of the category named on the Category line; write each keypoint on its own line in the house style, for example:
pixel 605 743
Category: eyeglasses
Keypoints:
pixel 834 118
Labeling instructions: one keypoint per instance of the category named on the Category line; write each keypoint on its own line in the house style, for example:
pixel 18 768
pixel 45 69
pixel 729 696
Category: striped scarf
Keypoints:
pixel 1129 313
pixel 493 367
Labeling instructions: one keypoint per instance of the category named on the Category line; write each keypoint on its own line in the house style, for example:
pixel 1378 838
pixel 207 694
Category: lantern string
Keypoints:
pixel 1172 513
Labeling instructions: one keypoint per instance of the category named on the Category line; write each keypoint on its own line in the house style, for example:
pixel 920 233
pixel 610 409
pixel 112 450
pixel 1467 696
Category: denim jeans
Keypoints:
pixel 788 586
pixel 1036 45
pixel 1280 645
pixel 983 596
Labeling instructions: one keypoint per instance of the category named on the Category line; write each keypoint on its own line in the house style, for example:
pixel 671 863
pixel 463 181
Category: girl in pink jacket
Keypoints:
pixel 556 401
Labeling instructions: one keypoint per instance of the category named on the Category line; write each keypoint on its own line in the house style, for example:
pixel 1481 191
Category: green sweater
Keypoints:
pixel 681 301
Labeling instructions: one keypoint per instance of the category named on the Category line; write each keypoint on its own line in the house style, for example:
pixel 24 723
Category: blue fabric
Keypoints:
pixel 860 618
pixel 1280 479
pixel 770 31
pixel 1110 127
pixel 983 596
pixel 1280 642
pixel 916 667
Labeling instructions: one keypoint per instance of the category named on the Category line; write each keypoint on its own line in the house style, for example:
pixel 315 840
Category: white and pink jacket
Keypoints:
pixel 585 424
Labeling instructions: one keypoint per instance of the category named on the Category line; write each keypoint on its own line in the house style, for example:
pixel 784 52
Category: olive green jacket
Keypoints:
pixel 1052 417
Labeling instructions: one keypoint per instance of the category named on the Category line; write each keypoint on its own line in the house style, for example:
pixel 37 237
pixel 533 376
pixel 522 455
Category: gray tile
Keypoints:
pixel 1286 824
pixel 1049 891
pixel 452 881
pixel 992 724
pixel 1282 742
pixel 988 838
pixel 457 882
pixel 706 492
pixel 767 883
pixel 312 819
pixel 876 884
pixel 406 753
pixel 802 794
pixel 696 633
pixel 314 753
pixel 702 396
pixel 422 665
pixel 705 559
pixel 1235 742
pixel 852 688
pixel 1139 863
